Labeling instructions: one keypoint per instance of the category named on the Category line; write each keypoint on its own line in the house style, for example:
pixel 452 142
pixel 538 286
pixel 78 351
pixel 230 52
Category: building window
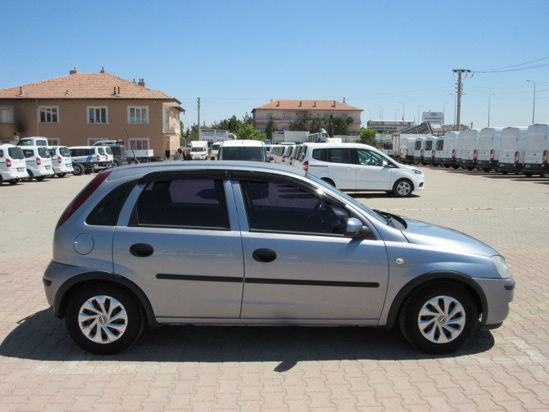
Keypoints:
pixel 287 116
pixel 53 141
pixel 269 115
pixel 97 115
pixel 138 115
pixel 48 114
pixel 139 143
pixel 6 114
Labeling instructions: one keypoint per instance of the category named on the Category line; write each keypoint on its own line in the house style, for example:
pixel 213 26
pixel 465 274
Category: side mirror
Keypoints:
pixel 353 227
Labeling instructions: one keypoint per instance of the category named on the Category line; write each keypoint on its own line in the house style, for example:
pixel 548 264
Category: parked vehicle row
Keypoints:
pixel 506 150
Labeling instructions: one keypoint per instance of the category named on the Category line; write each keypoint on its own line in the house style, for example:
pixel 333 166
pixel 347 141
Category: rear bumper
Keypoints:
pixel 467 164
pixel 66 168
pixel 535 168
pixel 508 167
pixel 14 174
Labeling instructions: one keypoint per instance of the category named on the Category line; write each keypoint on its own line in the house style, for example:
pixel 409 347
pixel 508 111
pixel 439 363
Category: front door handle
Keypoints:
pixel 141 250
pixel 264 255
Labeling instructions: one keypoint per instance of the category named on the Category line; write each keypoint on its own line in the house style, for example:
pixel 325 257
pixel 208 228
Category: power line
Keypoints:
pixel 511 66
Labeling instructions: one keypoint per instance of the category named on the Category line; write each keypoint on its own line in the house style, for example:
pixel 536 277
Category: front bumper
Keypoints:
pixel 498 293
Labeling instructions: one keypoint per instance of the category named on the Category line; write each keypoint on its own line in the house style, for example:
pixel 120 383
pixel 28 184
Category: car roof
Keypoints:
pixel 83 147
pixel 7 145
pixel 339 145
pixel 253 143
pixel 139 170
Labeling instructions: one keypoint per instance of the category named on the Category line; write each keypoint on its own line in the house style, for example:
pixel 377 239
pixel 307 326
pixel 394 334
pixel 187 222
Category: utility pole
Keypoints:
pixel 459 93
pixel 198 124
pixel 533 102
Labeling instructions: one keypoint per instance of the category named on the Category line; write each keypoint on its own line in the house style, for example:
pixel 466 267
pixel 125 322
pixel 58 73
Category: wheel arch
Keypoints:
pixel 404 177
pixel 419 282
pixel 62 295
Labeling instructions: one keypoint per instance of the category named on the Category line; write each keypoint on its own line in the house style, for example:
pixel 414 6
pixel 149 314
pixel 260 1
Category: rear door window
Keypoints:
pixel 16 153
pixel 197 203
pixel 44 152
pixel 440 144
pixel 320 154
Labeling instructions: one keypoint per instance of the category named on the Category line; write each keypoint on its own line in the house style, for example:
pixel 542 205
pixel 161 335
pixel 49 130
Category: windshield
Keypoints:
pixel 348 198
pixel 44 152
pixel 215 146
pixel 64 151
pixel 15 153
pixel 255 154
pixel 108 150
pixel 198 149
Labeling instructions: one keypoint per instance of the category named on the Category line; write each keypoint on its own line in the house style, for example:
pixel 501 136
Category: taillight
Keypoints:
pixel 98 158
pixel 8 163
pixel 306 165
pixel 492 155
pixel 59 159
pixel 38 161
pixel 516 157
pixel 453 153
pixel 291 161
pixel 475 154
pixel 544 157
pixel 82 197
pixel 284 160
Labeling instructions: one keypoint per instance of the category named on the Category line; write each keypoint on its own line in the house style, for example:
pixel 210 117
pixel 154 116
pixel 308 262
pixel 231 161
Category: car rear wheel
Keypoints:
pixel 103 318
pixel 39 178
pixel 402 188
pixel 29 179
pixel 439 319
pixel 77 170
pixel 61 174
pixel 12 182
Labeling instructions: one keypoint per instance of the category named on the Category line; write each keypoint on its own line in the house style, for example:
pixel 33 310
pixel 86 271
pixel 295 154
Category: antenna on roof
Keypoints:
pixel 21 92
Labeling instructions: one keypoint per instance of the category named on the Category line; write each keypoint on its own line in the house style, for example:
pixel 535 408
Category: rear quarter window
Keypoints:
pixel 320 154
pixel 107 210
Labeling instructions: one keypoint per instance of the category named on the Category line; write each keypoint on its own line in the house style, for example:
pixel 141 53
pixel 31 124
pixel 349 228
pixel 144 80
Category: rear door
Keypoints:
pixel 182 246
pixel 343 167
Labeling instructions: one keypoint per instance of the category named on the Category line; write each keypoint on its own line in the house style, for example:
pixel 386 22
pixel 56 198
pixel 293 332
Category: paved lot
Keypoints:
pixel 205 368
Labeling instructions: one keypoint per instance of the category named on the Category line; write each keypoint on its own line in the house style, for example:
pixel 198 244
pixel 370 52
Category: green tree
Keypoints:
pixel 270 129
pixel 247 131
pixel 367 136
pixel 299 124
pixel 316 125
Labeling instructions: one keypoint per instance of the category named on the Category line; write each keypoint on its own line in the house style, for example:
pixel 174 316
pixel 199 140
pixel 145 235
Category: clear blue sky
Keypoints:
pixel 240 54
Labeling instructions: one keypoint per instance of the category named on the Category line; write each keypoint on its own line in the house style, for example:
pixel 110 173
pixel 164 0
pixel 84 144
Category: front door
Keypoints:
pixel 298 264
pixel 182 249
pixel 372 174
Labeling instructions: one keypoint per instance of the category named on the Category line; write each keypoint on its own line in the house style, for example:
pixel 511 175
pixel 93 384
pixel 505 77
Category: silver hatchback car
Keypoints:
pixel 245 243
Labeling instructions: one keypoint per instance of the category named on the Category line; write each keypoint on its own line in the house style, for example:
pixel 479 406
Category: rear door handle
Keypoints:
pixel 264 255
pixel 141 250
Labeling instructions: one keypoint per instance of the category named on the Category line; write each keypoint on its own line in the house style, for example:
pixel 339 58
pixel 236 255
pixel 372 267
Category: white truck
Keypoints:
pixel 290 136
pixel 199 150
pixel 511 153
pixel 536 152
pixel 468 144
pixel 488 148
pixel 445 152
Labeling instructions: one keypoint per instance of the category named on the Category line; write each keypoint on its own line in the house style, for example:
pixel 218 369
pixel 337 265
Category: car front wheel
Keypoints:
pixel 103 319
pixel 402 188
pixel 439 319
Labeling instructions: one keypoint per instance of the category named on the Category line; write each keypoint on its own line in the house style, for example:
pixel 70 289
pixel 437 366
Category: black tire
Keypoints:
pixel 39 178
pixel 528 174
pixel 29 179
pixel 12 182
pixel 504 172
pixel 409 318
pixel 134 324
pixel 486 169
pixel 61 174
pixel 447 166
pixel 2 180
pixel 470 169
pixel 77 170
pixel 455 166
pixel 329 181
pixel 403 188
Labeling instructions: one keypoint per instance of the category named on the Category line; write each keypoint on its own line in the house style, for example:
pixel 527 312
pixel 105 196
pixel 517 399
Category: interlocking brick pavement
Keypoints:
pixel 286 368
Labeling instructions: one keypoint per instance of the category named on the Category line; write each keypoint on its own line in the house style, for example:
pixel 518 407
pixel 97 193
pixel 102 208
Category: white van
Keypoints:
pixel 214 153
pixel 85 159
pixel 13 167
pixel 33 141
pixel 199 150
pixel 419 150
pixel 61 160
pixel 429 153
pixel 488 148
pixel 252 150
pixel 38 161
pixel 355 166
pixel 511 153
pixel 407 148
pixel 536 150
pixel 445 149
pixel 287 154
pixel 468 143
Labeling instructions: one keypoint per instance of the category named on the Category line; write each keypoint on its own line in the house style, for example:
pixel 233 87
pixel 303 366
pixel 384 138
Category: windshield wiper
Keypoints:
pixel 389 217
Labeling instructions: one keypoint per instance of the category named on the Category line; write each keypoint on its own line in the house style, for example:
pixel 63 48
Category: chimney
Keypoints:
pixel 141 82
pixel 114 91
pixel 314 104
pixel 333 103
pixel 118 90
pixel 344 100
pixel 102 69
pixel 21 92
pixel 300 103
pixel 73 71
pixel 277 103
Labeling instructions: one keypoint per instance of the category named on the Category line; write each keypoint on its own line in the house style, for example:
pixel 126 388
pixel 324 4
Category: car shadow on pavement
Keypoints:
pixel 375 195
pixel 42 336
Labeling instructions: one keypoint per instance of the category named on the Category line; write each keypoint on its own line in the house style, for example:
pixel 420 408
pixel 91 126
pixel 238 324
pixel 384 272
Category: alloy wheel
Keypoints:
pixel 102 319
pixel 441 319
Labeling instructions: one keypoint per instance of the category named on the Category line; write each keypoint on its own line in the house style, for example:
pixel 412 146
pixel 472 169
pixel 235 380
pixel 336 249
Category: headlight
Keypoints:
pixel 417 172
pixel 501 266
